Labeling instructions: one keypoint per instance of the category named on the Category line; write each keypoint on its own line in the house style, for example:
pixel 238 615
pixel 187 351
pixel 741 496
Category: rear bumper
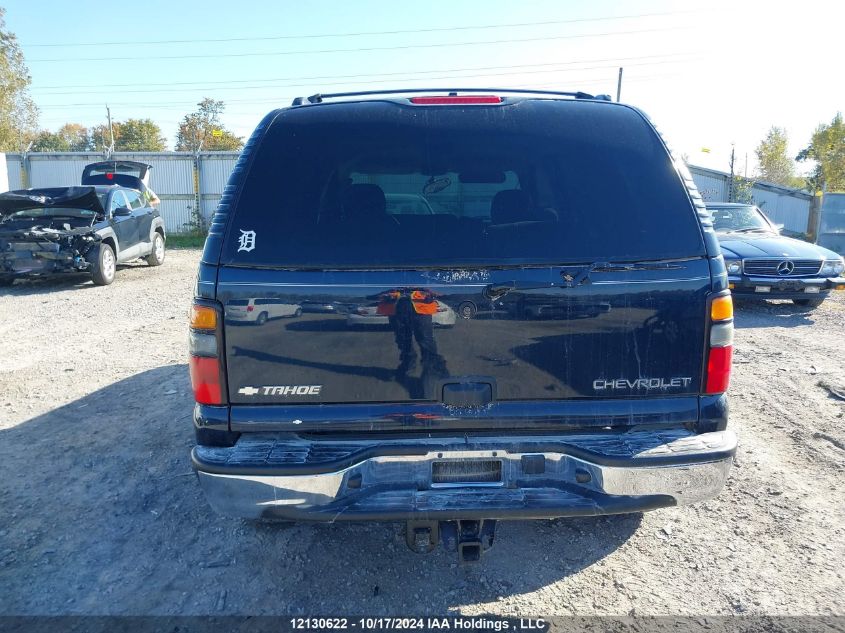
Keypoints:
pixel 266 476
pixel 779 288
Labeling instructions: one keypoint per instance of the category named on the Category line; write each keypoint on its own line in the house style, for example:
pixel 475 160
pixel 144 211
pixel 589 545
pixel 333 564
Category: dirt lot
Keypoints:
pixel 102 515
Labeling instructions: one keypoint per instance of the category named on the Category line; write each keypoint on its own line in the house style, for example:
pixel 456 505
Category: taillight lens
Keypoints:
pixel 721 345
pixel 205 380
pixel 719 369
pixel 722 308
pixel 202 344
pixel 205 362
pixel 203 317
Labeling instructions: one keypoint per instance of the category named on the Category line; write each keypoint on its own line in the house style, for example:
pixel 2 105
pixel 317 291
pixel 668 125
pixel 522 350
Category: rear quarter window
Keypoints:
pixel 533 182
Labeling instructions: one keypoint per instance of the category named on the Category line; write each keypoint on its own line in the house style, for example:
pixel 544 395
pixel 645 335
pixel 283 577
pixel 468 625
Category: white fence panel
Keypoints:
pixel 215 168
pixel 13 169
pixel 712 185
pixel 791 211
pixel 58 170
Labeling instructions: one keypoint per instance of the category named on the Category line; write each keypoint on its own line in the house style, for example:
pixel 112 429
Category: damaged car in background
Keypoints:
pixel 83 229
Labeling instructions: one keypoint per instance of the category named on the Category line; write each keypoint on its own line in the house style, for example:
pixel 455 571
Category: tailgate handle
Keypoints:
pixel 469 392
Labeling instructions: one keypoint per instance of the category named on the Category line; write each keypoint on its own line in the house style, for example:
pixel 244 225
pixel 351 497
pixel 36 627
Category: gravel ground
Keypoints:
pixel 102 515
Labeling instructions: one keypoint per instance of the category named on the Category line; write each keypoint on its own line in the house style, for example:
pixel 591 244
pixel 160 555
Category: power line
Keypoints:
pixel 285 99
pixel 170 104
pixel 370 33
pixel 357 50
pixel 419 72
pixel 267 82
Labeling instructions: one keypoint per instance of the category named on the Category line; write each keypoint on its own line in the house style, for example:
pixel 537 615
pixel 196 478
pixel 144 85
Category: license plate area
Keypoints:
pixel 466 472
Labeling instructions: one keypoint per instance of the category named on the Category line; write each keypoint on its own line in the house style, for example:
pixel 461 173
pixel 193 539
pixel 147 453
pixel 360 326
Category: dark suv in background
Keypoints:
pixel 586 370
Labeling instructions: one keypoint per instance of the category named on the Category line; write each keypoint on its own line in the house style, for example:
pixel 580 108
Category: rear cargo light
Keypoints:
pixel 201 344
pixel 205 363
pixel 721 345
pixel 721 334
pixel 456 100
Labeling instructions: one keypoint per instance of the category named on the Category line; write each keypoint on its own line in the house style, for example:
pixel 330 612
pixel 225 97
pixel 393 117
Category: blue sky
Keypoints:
pixel 709 73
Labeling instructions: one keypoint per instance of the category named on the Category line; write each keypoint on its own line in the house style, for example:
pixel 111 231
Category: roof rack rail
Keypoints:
pixel 319 98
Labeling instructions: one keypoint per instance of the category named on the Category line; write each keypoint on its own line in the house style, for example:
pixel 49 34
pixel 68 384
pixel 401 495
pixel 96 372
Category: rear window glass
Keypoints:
pixel 379 184
pixel 123 180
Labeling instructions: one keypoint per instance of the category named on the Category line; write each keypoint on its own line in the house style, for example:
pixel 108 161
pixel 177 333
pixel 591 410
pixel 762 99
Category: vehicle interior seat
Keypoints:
pixel 364 203
pixel 509 206
pixel 514 220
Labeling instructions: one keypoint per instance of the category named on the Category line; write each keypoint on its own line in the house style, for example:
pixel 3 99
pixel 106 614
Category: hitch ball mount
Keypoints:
pixel 468 538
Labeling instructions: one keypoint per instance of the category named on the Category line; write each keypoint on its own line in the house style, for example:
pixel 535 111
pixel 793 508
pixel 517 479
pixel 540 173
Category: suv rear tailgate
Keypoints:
pixel 620 334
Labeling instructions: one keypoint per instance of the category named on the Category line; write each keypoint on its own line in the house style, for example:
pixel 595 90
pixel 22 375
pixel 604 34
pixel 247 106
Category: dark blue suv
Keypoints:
pixel 585 363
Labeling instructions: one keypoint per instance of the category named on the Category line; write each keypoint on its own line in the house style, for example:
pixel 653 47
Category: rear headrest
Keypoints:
pixel 511 205
pixel 363 202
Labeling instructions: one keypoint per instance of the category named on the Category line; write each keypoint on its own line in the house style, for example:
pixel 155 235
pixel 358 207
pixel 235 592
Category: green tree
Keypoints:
pixel 742 190
pixel 203 130
pixel 140 135
pixel 100 137
pixel 775 165
pixel 18 113
pixel 71 137
pixel 827 148
pixel 131 135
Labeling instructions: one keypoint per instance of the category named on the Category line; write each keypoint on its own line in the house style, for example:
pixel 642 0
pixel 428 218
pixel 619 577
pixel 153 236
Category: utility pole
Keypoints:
pixel 619 85
pixel 111 131
pixel 731 183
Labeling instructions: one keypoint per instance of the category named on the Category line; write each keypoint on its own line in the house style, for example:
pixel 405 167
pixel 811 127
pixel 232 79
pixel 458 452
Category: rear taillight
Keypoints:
pixel 205 380
pixel 205 362
pixel 250 308
pixel 720 350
